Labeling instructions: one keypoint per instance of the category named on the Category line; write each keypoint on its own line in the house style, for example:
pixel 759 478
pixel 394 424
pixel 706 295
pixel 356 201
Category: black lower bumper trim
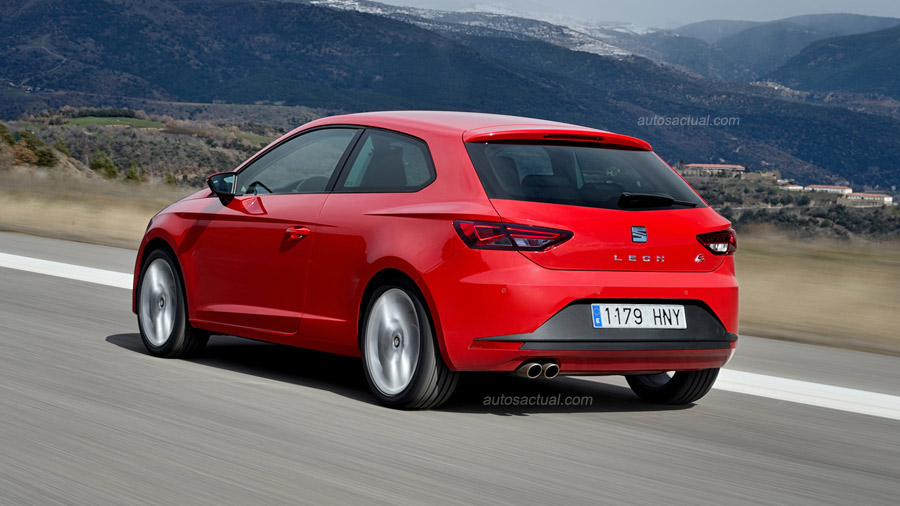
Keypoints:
pixel 572 329
pixel 625 345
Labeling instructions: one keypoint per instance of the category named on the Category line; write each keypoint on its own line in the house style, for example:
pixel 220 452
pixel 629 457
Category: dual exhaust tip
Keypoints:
pixel 533 370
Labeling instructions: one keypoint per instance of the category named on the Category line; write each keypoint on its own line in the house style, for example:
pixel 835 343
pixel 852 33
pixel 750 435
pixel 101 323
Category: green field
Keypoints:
pixel 132 122
pixel 255 140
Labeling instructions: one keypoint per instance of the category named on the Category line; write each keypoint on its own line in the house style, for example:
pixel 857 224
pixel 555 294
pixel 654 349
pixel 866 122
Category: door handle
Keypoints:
pixel 296 232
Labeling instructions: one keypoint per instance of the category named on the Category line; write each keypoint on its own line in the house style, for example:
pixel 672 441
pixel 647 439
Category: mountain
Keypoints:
pixel 718 49
pixel 865 63
pixel 259 51
pixel 802 141
pixel 711 31
pixel 587 38
pixel 763 48
pixel 245 51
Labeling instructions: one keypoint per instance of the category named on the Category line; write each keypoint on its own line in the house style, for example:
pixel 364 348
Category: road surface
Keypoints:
pixel 87 417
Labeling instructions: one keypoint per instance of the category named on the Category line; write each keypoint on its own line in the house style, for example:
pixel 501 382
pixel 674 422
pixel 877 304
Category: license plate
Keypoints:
pixel 638 316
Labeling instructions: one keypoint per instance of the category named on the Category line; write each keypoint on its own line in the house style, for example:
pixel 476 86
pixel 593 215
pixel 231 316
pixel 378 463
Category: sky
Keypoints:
pixel 666 13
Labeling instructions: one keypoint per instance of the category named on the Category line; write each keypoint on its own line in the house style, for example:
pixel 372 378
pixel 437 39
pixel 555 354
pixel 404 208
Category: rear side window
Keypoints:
pixel 582 175
pixel 387 162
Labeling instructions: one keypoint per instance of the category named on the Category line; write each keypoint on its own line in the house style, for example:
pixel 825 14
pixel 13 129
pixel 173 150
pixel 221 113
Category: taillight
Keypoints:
pixel 723 242
pixel 488 235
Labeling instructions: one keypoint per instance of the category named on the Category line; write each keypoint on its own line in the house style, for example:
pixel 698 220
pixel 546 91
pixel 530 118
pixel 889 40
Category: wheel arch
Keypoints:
pixel 158 243
pixel 385 276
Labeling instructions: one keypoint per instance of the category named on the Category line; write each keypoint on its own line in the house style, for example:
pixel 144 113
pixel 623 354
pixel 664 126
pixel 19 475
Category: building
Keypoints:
pixel 871 198
pixel 792 187
pixel 842 190
pixel 713 169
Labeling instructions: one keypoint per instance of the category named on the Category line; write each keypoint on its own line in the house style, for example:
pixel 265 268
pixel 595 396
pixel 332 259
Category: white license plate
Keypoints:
pixel 638 316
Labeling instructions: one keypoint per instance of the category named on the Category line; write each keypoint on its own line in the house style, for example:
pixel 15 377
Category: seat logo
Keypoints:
pixel 638 234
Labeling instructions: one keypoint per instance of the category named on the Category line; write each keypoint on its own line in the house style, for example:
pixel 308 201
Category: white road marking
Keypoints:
pixel 811 394
pixel 70 271
pixel 772 387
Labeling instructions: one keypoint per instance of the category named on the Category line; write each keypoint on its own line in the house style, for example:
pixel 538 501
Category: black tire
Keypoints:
pixel 431 382
pixel 162 314
pixel 684 387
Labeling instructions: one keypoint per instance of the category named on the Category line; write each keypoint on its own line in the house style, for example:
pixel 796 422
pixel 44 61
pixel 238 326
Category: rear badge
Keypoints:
pixel 638 234
pixel 700 259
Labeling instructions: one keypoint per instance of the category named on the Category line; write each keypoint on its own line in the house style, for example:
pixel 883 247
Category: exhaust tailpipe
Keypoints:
pixel 550 370
pixel 530 370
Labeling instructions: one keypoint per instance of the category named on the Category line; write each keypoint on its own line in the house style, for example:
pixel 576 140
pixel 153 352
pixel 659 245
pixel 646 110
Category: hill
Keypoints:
pixel 265 52
pixel 865 63
pixel 712 30
pixel 765 47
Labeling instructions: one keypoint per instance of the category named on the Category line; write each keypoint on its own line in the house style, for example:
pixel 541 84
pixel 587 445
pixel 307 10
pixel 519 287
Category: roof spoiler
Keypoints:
pixel 539 133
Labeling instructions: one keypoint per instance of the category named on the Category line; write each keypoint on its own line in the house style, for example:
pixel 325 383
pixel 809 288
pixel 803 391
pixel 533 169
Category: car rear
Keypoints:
pixel 601 260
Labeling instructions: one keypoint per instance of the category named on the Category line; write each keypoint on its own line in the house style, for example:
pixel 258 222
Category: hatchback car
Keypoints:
pixel 431 243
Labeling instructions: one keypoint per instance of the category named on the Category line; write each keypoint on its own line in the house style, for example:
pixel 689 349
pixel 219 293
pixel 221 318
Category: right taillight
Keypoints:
pixel 490 235
pixel 723 242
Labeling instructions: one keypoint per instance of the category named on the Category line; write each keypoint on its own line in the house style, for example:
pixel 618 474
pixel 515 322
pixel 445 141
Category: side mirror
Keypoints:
pixel 222 184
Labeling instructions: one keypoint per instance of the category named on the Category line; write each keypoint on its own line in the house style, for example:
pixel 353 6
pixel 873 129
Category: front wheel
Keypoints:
pixel 682 387
pixel 162 315
pixel 402 363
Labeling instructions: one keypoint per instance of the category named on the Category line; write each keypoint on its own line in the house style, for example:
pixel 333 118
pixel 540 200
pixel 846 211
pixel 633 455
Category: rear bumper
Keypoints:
pixel 511 310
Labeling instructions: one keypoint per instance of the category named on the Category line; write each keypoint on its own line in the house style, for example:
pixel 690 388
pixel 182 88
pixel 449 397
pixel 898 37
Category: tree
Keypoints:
pixel 60 146
pixel 45 156
pixel 170 179
pixel 5 136
pixel 22 155
pixel 103 165
pixel 133 174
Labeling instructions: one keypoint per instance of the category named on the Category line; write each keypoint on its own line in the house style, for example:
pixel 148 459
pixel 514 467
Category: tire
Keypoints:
pixel 402 363
pixel 162 315
pixel 683 387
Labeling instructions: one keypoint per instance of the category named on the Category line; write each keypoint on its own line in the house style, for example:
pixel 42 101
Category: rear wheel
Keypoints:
pixel 402 363
pixel 162 315
pixel 682 387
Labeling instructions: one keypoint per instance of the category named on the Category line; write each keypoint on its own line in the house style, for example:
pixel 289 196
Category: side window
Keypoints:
pixel 303 164
pixel 388 162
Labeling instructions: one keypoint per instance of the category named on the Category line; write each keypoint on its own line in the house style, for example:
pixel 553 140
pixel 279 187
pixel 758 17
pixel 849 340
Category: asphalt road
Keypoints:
pixel 87 417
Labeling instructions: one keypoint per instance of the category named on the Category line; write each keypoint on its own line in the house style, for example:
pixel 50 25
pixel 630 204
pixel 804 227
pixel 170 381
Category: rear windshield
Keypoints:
pixel 581 175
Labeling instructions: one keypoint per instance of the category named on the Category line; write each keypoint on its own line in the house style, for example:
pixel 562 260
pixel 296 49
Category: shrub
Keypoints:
pixel 5 136
pixel 103 165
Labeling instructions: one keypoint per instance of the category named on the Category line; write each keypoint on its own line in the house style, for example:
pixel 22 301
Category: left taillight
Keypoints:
pixel 504 236
pixel 723 242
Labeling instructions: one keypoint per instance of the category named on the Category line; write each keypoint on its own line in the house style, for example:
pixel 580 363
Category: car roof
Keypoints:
pixel 478 127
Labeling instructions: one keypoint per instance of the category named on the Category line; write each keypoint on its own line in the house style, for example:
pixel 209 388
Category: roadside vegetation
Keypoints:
pixel 131 145
pixel 761 203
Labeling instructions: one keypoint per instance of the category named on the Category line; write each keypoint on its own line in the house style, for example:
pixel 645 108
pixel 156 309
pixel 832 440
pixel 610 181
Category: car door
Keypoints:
pixel 359 226
pixel 251 255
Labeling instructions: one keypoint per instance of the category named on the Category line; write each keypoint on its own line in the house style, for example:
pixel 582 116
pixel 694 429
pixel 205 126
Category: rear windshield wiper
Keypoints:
pixel 635 200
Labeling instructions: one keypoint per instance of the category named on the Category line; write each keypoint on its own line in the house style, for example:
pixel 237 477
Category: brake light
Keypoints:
pixel 723 242
pixel 488 235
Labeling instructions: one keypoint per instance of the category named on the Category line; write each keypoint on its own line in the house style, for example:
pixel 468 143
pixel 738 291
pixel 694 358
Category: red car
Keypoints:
pixel 431 243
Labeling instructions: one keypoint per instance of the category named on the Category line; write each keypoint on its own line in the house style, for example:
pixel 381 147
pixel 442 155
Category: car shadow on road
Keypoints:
pixel 510 395
pixel 489 393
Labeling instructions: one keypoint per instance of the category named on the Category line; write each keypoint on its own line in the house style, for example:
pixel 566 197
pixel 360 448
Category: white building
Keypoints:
pixel 843 190
pixel 712 169
pixel 874 198
pixel 792 187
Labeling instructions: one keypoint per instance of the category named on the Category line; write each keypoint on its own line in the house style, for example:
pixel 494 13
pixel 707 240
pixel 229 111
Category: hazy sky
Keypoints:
pixel 668 13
